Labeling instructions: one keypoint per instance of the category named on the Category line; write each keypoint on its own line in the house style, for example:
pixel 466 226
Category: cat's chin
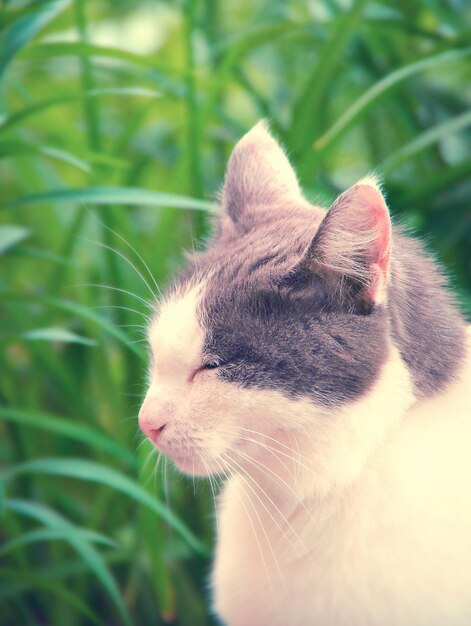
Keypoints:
pixel 191 465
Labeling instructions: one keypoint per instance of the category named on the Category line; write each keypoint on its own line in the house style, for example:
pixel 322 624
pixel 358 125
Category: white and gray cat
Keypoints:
pixel 317 359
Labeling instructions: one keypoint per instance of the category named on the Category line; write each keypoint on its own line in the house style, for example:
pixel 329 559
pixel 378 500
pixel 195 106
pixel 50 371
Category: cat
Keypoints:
pixel 317 359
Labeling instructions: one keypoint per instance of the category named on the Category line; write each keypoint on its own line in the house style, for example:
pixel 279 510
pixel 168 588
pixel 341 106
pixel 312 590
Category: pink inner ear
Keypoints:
pixel 379 250
pixel 379 222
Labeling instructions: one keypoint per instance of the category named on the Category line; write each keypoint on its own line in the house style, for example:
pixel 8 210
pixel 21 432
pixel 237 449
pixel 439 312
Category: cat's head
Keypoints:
pixel 279 325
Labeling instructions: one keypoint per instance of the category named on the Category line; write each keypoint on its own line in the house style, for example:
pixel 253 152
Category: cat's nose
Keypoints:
pixel 151 428
pixel 152 422
pixel 153 433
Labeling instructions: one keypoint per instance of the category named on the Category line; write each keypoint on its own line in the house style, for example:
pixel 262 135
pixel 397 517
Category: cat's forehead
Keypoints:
pixel 269 247
pixel 175 334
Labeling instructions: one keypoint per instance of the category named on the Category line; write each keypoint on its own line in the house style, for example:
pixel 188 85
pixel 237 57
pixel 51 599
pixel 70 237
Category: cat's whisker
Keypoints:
pixel 211 485
pixel 131 417
pixel 125 258
pixel 256 432
pixel 117 289
pixel 242 437
pixel 255 534
pixel 269 472
pixel 265 494
pixel 144 438
pixel 269 449
pixel 279 443
pixel 273 450
pixel 133 249
pixel 248 476
pixel 266 469
pixel 165 481
pixel 155 471
pixel 158 463
pixel 146 462
pixel 298 466
pixel 243 482
pixel 139 326
pixel 137 341
pixel 193 475
pixel 124 308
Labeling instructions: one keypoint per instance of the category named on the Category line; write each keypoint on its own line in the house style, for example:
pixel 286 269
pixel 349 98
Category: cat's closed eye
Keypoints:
pixel 211 365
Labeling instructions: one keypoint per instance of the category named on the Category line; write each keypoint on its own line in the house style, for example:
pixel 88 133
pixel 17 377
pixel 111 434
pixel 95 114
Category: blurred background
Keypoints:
pixel 116 119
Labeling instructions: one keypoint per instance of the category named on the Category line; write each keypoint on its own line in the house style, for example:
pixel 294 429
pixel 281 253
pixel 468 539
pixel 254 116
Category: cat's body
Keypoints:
pixel 317 360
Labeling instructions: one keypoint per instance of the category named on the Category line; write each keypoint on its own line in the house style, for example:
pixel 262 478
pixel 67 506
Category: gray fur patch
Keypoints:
pixel 298 344
pixel 301 337
pixel 272 332
pixel 277 322
pixel 425 321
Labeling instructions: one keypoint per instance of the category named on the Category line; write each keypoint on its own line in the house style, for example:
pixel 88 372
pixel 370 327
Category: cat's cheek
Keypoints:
pixel 236 414
pixel 198 422
pixel 211 423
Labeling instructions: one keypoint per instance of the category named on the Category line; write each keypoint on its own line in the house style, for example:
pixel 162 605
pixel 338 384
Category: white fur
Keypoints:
pixel 338 518
pixel 371 180
pixel 175 335
pixel 389 543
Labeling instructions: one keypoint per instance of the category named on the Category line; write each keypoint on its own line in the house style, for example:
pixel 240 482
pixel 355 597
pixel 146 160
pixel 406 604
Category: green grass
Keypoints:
pixel 111 153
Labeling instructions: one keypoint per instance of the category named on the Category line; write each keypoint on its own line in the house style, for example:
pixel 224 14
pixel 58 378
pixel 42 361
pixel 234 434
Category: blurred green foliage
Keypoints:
pixel 116 121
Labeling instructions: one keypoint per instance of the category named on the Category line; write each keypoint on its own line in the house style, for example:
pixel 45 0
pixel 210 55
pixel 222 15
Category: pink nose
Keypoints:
pixel 150 425
pixel 151 428
pixel 151 431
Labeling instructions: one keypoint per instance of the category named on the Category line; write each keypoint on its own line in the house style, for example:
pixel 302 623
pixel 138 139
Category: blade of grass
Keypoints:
pixel 95 472
pixel 112 195
pixel 42 255
pixel 62 426
pixel 84 313
pixel 47 50
pixel 91 109
pixel 231 52
pixel 27 581
pixel 11 149
pixel 422 142
pixel 306 110
pixel 193 144
pixel 8 122
pixel 21 31
pixel 53 534
pixel 59 571
pixel 379 89
pixel 11 235
pixel 430 187
pixel 83 547
pixel 50 365
pixel 54 333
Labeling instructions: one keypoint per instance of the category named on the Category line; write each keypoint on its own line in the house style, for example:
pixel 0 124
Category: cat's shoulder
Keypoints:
pixel 430 453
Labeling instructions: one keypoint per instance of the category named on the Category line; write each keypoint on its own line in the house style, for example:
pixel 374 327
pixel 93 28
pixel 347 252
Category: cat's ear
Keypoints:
pixel 258 173
pixel 352 247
